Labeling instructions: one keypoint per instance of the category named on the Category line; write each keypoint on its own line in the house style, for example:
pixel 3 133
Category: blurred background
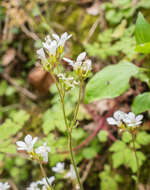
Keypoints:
pixel 29 100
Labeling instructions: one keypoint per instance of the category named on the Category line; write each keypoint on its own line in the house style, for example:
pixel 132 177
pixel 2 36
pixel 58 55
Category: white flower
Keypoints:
pixel 28 143
pixel 71 174
pixel 132 120
pixel 41 54
pixel 43 152
pixel 117 118
pixel 50 46
pixel 80 63
pixel 61 40
pixel 87 66
pixel 33 186
pixel 59 168
pixel 4 186
pixel 44 181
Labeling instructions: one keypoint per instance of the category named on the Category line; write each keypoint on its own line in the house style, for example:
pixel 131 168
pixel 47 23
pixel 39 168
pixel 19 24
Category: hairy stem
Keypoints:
pixel 137 161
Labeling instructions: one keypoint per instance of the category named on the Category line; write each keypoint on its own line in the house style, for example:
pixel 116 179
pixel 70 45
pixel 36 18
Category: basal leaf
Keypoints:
pixel 111 82
pixel 142 30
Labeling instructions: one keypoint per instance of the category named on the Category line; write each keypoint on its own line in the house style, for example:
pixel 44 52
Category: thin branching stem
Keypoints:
pixel 137 161
pixel 69 128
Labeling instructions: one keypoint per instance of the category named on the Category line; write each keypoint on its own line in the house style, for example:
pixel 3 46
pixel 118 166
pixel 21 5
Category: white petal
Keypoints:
pixel 21 144
pixel 34 140
pixel 81 56
pixel 56 37
pixel 64 36
pixel 69 36
pixel 51 179
pixel 139 117
pixel 41 53
pixel 28 139
pixel 68 60
pixel 119 115
pixel 111 121
pixel 48 39
pixel 131 115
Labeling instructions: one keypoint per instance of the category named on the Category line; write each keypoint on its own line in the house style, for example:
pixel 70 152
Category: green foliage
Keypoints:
pixel 109 180
pixel 143 138
pixel 142 35
pixel 10 128
pixel 112 42
pixel 111 82
pixel 123 153
pixel 102 136
pixel 53 117
pixel 141 103
pixel 142 29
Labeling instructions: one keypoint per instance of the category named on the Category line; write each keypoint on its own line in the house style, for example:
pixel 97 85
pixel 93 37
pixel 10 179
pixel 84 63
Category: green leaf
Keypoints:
pixel 102 136
pixel 141 103
pixel 143 138
pixel 89 153
pixel 111 82
pixel 126 137
pixel 78 133
pixel 118 159
pixel 142 30
pixel 143 48
pixel 117 146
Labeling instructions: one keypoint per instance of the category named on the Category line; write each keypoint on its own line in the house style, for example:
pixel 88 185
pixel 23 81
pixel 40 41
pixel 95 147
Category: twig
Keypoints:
pixel 86 172
pixel 4 36
pixel 19 88
pixel 12 184
pixel 92 30
pixel 29 33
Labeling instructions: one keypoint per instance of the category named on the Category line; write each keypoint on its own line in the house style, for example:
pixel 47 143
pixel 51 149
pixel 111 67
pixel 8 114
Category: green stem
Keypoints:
pixel 45 176
pixel 137 162
pixel 69 128
pixel 78 104
pixel 73 160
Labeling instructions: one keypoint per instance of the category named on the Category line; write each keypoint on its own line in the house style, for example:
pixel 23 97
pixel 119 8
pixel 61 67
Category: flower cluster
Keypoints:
pixel 125 121
pixel 67 82
pixel 4 186
pixel 41 184
pixel 40 153
pixel 52 49
pixel 81 66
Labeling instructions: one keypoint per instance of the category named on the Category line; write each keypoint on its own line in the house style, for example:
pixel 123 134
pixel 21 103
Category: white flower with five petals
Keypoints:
pixel 28 143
